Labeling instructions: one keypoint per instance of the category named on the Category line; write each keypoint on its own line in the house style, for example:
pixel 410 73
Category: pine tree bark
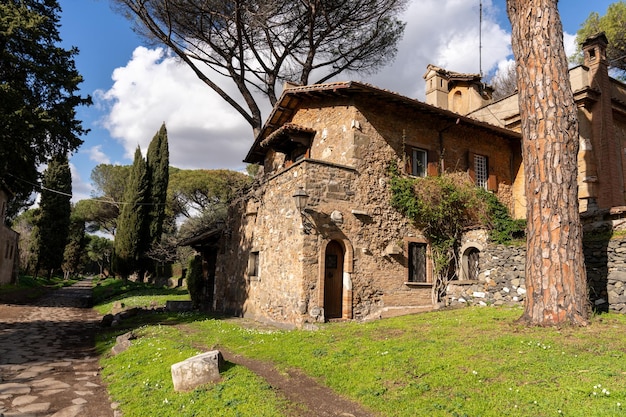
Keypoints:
pixel 555 269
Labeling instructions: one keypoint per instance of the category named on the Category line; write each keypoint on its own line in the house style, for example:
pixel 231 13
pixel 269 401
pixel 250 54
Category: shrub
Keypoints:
pixel 195 281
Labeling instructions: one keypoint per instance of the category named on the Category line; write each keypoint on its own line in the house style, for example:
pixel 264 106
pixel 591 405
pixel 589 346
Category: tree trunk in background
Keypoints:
pixel 556 282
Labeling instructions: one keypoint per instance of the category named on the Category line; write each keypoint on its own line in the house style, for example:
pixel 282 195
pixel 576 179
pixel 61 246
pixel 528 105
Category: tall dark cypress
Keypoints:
pixel 131 239
pixel 158 161
pixel 53 222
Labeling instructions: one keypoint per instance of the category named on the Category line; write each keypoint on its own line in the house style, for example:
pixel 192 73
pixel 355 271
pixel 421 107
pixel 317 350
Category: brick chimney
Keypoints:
pixel 608 154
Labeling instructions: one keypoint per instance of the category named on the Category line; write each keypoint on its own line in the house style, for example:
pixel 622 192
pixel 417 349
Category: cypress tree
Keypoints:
pixel 131 239
pixel 76 241
pixel 53 222
pixel 157 161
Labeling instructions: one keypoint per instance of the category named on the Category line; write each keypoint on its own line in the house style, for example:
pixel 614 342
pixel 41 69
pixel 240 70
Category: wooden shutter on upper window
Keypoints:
pixel 408 160
pixel 492 181
pixel 470 165
pixel 432 169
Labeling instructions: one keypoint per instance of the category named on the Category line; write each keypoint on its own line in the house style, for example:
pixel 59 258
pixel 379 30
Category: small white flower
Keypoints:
pixel 619 404
pixel 475 373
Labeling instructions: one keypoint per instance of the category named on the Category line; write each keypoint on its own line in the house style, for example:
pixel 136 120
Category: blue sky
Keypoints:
pixel 137 87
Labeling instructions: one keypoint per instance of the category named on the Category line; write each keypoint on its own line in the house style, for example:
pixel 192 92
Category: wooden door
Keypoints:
pixel 333 280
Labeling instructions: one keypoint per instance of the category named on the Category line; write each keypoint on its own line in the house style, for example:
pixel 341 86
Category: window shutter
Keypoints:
pixel 492 181
pixel 432 168
pixel 408 164
pixel 470 165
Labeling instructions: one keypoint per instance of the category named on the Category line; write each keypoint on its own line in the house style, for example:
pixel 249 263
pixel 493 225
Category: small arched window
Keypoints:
pixel 470 264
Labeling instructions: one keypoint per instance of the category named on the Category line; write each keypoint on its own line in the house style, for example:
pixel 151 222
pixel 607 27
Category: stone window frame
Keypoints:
pixel 463 266
pixel 253 270
pixel 413 167
pixel 429 262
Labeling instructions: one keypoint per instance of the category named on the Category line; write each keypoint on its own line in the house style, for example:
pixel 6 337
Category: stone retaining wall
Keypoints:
pixel 501 280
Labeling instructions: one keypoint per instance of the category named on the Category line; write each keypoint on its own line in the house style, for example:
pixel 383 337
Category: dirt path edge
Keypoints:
pixel 314 399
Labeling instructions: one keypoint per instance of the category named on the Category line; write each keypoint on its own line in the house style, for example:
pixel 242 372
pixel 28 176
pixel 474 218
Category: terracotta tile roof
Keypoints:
pixel 292 97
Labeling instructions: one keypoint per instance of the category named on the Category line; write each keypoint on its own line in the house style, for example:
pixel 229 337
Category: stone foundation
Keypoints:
pixel 502 280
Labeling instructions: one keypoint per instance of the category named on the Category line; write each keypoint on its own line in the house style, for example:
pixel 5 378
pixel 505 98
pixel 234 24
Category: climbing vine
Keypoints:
pixel 443 207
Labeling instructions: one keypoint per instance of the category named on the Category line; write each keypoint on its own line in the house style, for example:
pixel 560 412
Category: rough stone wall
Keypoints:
pixel 267 222
pixel 346 178
pixel 401 127
pixel 502 276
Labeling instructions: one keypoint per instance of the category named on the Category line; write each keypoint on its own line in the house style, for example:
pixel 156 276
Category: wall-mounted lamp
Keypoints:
pixel 300 198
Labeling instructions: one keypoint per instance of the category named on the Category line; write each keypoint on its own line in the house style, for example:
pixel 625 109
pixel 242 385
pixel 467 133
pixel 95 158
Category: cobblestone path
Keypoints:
pixel 48 365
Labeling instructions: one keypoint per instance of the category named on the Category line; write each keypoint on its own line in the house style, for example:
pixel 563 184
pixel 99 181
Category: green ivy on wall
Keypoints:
pixel 443 207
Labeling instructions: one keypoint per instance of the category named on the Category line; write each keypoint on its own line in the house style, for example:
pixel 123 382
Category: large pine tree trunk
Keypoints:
pixel 555 268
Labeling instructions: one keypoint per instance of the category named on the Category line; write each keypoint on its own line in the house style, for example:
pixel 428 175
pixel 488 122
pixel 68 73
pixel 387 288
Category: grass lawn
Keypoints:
pixel 29 288
pixel 108 292
pixel 467 362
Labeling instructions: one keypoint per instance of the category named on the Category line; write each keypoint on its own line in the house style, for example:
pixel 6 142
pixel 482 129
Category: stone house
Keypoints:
pixel 601 102
pixel 316 239
pixel 343 252
pixel 8 241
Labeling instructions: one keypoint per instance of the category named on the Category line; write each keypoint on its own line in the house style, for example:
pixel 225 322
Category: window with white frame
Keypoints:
pixel 418 162
pixel 481 171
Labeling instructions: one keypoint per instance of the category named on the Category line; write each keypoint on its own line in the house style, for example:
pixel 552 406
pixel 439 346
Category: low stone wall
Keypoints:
pixel 501 280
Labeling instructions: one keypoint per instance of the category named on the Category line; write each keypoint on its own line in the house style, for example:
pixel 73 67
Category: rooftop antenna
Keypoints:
pixel 480 40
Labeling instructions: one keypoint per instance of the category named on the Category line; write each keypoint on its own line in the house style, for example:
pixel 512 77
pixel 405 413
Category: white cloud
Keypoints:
pixel 96 155
pixel 80 190
pixel 569 42
pixel 203 131
pixel 446 34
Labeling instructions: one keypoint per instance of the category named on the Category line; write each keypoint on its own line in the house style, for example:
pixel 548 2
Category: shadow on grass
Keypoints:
pixel 106 336
pixel 111 291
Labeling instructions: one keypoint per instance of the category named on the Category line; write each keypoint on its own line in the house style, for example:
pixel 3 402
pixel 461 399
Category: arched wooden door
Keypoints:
pixel 333 280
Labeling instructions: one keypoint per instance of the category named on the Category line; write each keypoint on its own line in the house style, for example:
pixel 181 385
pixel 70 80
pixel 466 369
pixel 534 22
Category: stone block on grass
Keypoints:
pixel 197 370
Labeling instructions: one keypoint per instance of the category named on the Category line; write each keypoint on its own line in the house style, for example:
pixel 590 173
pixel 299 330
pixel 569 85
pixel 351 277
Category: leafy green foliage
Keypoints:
pixel 443 206
pixel 74 249
pixel 53 222
pixel 37 94
pixel 157 162
pixel 203 196
pixel 131 239
pixel 502 228
pixel 613 24
pixel 100 250
pixel 102 211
